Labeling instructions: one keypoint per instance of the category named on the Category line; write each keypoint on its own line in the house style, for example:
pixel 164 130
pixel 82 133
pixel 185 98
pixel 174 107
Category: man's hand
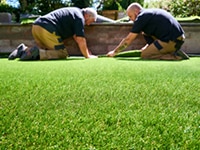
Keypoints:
pixel 111 53
pixel 123 44
pixel 92 56
pixel 81 41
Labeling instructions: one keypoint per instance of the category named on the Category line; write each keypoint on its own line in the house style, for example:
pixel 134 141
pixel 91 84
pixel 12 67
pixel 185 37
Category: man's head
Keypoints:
pixel 133 10
pixel 90 15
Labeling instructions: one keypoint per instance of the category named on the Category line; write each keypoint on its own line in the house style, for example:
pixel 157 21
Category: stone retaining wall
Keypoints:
pixel 101 38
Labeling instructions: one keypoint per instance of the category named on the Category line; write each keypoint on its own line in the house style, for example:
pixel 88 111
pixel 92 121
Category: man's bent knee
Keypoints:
pixel 145 55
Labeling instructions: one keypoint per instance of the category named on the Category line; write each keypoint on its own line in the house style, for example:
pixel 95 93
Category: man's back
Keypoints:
pixel 64 22
pixel 158 23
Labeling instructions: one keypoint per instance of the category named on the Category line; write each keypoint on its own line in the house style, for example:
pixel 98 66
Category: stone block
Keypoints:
pixel 5 17
pixel 98 49
pixel 4 42
pixel 25 41
pixel 4 31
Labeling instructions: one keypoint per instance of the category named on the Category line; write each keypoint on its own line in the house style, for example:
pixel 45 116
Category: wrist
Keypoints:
pixel 116 52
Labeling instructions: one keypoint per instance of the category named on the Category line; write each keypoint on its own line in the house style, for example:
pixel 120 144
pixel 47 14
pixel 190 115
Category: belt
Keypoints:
pixel 179 42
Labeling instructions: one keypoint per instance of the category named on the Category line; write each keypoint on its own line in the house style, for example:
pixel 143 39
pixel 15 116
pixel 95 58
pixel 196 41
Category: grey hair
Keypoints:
pixel 91 12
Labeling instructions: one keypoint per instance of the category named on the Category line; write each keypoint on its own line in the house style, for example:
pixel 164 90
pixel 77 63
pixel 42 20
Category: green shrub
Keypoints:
pixel 81 3
pixel 185 8
pixel 125 3
pixel 180 8
pixel 5 8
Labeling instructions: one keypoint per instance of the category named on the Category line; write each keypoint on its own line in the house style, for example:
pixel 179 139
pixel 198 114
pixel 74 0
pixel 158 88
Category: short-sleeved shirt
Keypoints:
pixel 65 22
pixel 158 23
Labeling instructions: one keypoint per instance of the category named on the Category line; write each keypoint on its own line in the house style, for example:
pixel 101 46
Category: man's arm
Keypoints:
pixel 123 44
pixel 81 41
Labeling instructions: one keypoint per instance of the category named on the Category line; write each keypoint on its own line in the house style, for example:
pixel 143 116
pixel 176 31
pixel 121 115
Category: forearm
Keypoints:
pixel 125 42
pixel 82 46
pixel 84 50
pixel 122 46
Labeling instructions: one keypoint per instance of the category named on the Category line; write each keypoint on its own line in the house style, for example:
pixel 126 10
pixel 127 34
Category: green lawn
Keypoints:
pixel 100 104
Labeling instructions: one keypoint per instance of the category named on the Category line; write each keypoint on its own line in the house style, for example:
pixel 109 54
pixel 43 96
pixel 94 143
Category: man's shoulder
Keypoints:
pixel 152 11
pixel 146 13
pixel 156 12
pixel 75 12
pixel 66 13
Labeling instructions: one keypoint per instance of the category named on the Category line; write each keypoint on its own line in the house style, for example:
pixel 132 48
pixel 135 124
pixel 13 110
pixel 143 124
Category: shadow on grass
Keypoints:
pixel 4 55
pixel 140 59
pixel 129 58
pixel 50 60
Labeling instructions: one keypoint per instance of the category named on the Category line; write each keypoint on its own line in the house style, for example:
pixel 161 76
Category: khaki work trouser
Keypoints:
pixel 51 46
pixel 161 50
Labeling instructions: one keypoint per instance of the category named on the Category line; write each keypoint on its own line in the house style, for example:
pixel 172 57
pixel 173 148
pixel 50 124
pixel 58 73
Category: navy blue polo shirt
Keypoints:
pixel 158 23
pixel 65 22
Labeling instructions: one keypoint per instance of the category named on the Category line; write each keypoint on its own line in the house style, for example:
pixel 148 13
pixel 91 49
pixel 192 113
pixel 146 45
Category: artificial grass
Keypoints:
pixel 105 103
pixel 130 53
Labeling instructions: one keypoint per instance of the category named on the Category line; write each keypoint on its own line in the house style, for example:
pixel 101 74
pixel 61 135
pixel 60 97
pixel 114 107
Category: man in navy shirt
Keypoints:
pixel 50 31
pixel 163 34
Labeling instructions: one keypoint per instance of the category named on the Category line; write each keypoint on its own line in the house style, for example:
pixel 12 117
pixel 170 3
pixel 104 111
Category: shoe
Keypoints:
pixel 182 54
pixel 17 52
pixel 30 54
pixel 21 48
pixel 13 55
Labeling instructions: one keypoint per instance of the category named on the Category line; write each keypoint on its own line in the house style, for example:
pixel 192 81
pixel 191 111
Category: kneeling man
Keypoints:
pixel 162 32
pixel 50 31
